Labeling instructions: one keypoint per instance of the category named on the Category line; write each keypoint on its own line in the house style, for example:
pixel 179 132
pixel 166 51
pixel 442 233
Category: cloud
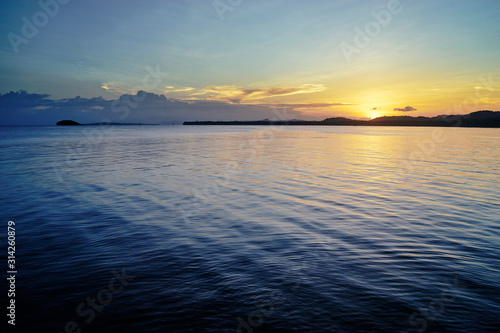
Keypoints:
pixel 23 99
pixel 118 88
pixel 237 94
pixel 172 89
pixel 304 106
pixel 41 107
pixel 406 109
pixel 374 109
pixel 110 86
pixel 22 108
pixel 229 94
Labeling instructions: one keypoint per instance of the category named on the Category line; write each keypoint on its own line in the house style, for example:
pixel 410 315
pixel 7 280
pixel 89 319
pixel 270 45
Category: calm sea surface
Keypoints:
pixel 252 229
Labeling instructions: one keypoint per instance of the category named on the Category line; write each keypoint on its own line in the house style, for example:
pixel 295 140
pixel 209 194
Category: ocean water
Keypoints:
pixel 253 229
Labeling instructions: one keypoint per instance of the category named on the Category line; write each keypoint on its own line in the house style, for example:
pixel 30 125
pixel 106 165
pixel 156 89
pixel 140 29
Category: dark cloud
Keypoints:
pixel 22 108
pixel 406 109
pixel 22 98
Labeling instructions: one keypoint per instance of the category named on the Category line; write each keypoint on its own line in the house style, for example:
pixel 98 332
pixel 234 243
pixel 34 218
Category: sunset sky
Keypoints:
pixel 319 59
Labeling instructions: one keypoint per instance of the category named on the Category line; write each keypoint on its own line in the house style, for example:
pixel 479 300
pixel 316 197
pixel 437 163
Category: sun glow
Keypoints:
pixel 373 114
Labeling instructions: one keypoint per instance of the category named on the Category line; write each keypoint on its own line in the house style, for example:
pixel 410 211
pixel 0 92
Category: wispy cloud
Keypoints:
pixel 236 94
pixel 228 94
pixel 118 88
pixel 41 107
pixel 172 89
pixel 305 106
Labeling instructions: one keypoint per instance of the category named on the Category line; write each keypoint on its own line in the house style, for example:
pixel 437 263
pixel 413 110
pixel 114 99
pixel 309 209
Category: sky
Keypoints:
pixel 246 60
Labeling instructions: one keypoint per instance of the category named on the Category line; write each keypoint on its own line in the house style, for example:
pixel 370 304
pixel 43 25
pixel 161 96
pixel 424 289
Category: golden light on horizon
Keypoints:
pixel 372 114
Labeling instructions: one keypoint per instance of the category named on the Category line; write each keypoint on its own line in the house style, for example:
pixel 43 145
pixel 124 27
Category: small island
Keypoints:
pixel 74 123
pixel 68 123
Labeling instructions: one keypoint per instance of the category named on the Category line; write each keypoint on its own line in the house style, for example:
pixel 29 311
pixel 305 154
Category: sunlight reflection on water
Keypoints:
pixel 354 228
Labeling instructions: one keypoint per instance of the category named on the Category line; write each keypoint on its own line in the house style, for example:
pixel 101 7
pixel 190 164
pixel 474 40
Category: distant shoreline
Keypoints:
pixel 487 119
pixel 74 123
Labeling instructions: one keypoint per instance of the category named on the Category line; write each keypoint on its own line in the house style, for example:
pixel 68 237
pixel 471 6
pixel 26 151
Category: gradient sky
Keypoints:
pixel 430 57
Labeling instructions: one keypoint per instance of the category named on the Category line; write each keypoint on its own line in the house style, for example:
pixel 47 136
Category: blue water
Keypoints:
pixel 253 229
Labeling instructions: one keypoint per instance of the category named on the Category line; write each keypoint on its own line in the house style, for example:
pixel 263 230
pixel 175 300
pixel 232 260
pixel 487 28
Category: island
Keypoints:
pixel 68 123
pixel 483 118
pixel 73 123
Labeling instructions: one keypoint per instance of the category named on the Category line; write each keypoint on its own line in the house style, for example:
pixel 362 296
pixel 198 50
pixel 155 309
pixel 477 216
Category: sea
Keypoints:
pixel 250 229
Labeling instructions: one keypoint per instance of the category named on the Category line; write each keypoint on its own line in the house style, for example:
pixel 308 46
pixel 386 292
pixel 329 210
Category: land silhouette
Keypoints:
pixel 484 118
pixel 74 123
